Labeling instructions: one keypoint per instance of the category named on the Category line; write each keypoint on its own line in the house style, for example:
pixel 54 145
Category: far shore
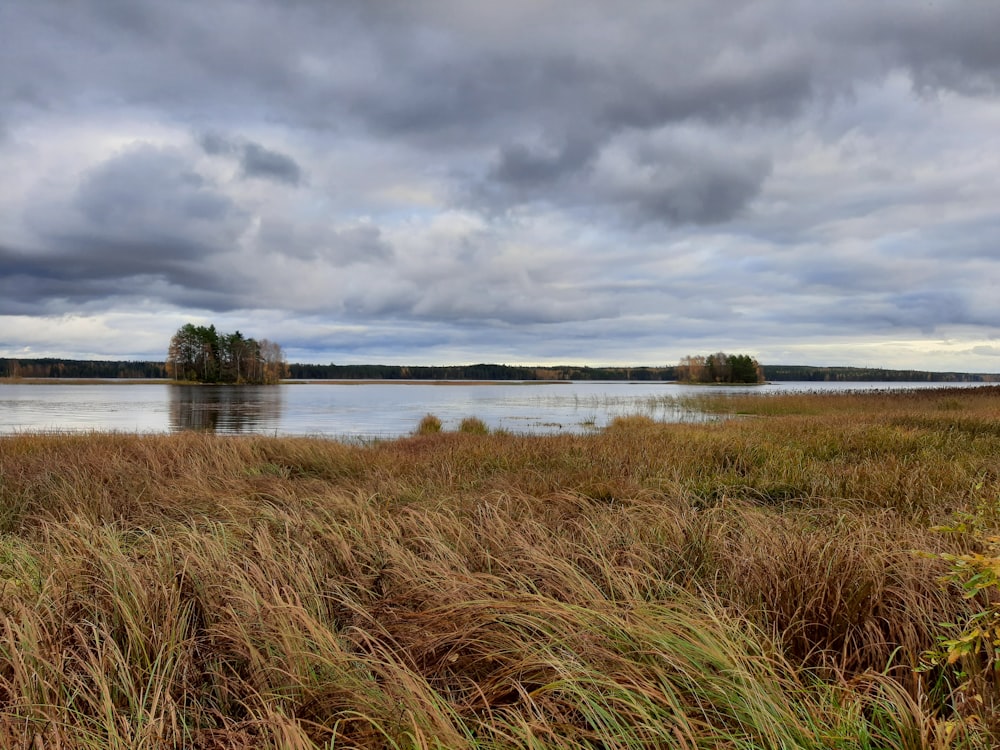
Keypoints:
pixel 165 381
pixel 84 381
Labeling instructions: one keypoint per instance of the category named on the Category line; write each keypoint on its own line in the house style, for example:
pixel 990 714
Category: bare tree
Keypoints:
pixel 273 360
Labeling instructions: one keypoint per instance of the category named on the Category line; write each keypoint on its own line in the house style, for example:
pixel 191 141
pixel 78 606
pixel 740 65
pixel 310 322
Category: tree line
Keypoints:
pixel 872 374
pixel 203 355
pixel 476 372
pixel 52 367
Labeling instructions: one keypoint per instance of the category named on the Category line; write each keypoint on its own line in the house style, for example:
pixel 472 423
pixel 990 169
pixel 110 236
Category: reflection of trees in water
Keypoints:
pixel 225 408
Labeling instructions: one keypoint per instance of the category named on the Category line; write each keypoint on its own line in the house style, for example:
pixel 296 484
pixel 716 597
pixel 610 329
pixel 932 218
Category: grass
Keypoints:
pixel 749 583
pixel 429 425
pixel 473 426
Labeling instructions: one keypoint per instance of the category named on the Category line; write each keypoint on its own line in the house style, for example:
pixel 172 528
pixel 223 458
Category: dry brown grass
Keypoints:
pixel 751 583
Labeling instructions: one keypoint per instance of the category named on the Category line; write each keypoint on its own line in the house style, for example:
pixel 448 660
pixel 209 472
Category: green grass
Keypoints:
pixel 751 583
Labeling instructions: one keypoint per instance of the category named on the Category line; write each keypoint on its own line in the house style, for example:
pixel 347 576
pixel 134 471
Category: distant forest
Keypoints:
pixel 477 372
pixel 872 374
pixel 71 368
pixel 80 368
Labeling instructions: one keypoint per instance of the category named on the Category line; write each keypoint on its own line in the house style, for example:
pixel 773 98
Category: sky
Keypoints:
pixel 527 181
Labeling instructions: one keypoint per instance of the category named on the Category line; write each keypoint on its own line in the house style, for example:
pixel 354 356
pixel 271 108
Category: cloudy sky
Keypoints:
pixel 527 181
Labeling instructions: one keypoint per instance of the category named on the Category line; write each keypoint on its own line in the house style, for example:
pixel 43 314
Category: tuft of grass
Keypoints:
pixel 630 423
pixel 429 425
pixel 473 426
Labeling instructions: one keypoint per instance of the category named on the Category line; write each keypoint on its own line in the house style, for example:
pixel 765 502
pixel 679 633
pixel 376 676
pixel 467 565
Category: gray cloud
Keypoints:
pixel 142 215
pixel 254 160
pixel 258 161
pixel 928 309
pixel 538 167
pixel 339 247
pixel 150 192
pixel 429 68
pixel 944 45
pixel 666 177
pixel 360 244
pixel 216 144
pixel 682 183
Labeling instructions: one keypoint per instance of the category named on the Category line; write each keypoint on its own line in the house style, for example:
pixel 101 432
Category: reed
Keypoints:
pixel 747 583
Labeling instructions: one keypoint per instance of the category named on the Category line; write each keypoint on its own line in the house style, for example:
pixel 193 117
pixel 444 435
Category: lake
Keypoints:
pixel 362 410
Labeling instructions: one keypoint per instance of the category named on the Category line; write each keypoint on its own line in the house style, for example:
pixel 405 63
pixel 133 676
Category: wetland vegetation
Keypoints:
pixel 776 580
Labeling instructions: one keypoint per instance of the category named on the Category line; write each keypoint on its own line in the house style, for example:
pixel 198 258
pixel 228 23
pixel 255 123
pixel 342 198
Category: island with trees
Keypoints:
pixel 720 368
pixel 201 354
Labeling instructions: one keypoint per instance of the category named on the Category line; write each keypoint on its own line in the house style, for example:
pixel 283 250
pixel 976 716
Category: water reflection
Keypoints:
pixel 229 409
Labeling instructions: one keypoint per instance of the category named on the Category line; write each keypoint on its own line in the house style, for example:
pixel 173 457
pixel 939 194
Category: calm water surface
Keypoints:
pixel 358 410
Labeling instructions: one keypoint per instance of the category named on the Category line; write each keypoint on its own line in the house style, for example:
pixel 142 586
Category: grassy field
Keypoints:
pixel 768 581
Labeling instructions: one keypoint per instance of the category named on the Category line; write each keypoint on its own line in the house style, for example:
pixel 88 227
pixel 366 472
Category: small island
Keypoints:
pixel 720 368
pixel 200 354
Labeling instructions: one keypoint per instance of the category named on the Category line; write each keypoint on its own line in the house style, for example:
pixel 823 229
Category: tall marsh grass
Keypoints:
pixel 752 583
